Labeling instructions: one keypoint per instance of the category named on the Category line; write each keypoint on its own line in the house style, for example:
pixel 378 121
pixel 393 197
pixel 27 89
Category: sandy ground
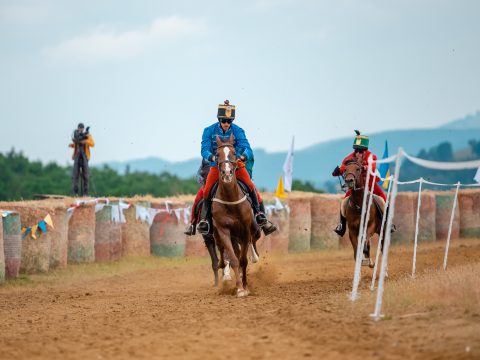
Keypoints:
pixel 168 309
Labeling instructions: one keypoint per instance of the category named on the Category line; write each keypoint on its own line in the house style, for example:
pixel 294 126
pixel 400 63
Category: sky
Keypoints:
pixel 147 75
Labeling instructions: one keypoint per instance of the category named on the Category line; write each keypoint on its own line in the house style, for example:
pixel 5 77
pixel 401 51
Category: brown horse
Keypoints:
pixel 352 210
pixel 234 227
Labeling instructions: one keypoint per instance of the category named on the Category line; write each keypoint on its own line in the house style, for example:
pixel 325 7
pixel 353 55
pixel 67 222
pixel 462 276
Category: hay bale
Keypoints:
pixel 81 235
pixel 300 223
pixel 108 235
pixel 195 246
pixel 35 252
pixel 444 204
pixel 469 206
pixel 59 238
pixel 166 233
pixel 12 244
pixel 135 233
pixel 280 238
pixel 325 214
pixel 426 225
pixel 404 218
pixel 2 255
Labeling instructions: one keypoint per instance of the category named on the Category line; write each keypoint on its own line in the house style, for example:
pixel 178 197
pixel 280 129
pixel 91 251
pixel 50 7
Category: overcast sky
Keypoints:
pixel 147 76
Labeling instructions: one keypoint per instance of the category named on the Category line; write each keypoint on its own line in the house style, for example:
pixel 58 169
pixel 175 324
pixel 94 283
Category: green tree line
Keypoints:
pixel 21 179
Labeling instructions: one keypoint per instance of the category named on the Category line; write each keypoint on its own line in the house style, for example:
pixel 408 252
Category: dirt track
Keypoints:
pixel 299 308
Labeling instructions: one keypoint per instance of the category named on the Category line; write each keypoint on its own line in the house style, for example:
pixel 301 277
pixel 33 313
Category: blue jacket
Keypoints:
pixel 242 146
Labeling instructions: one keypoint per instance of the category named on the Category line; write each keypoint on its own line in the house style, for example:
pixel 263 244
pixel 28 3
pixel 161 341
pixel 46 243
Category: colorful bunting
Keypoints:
pixel 42 225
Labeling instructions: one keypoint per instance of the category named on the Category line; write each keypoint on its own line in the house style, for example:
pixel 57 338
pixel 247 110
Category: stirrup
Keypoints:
pixel 261 219
pixel 190 230
pixel 203 227
pixel 269 228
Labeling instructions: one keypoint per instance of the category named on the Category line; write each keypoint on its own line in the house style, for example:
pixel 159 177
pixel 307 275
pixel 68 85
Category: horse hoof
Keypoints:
pixel 365 262
pixel 371 265
pixel 242 293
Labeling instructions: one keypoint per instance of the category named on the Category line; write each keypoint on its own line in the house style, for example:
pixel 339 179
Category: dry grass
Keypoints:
pixel 457 289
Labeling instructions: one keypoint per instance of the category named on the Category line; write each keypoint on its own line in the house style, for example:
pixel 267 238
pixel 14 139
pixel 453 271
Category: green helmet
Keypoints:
pixel 360 142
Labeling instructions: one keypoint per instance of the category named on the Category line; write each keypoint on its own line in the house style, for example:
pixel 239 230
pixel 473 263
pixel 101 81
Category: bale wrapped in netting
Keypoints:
pixel 36 244
pixel 426 224
pixel 404 218
pixel 108 234
pixel 12 244
pixel 81 234
pixel 300 222
pixel 2 255
pixel 59 238
pixel 469 205
pixel 135 232
pixel 325 216
pixel 444 205
pixel 166 233
pixel 278 241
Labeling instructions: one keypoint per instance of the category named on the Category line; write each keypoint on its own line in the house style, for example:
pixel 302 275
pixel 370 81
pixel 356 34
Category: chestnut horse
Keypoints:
pixel 352 209
pixel 234 227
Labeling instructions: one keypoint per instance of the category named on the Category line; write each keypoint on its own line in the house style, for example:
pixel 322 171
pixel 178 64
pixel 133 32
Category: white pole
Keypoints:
pixel 380 236
pixel 416 227
pixel 386 246
pixel 358 257
pixel 450 227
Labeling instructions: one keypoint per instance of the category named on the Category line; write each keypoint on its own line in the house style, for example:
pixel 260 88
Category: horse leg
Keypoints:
pixel 234 263
pixel 210 244
pixel 353 235
pixel 243 264
pixel 253 249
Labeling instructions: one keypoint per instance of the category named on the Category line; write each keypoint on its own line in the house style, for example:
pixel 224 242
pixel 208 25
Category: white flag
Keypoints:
pixel 477 176
pixel 288 168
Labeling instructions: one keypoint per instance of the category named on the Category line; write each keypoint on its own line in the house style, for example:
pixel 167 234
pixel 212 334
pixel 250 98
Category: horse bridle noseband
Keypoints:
pixel 233 162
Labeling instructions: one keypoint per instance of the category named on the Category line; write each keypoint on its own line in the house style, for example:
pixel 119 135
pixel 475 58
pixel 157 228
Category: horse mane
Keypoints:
pixel 351 161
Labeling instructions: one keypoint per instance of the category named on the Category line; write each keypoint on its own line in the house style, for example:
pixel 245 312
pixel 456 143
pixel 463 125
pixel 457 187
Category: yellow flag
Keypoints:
pixel 34 231
pixel 48 220
pixel 385 183
pixel 280 193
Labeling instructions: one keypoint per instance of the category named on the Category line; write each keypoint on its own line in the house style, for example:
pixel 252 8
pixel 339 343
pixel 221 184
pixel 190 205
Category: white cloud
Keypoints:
pixel 104 45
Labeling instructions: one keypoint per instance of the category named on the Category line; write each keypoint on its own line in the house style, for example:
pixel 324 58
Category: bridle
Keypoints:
pixel 234 168
pixel 354 175
pixel 233 162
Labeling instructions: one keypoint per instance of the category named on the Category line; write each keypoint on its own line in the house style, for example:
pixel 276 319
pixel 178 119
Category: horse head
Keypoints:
pixel 227 159
pixel 353 175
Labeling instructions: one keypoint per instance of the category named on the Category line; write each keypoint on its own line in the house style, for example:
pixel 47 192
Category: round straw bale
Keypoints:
pixel 59 237
pixel 444 205
pixel 108 235
pixel 166 233
pixel 81 235
pixel 12 244
pixel 195 246
pixel 404 218
pixel 426 225
pixel 2 255
pixel 300 223
pixel 35 251
pixel 469 204
pixel 280 238
pixel 135 233
pixel 325 214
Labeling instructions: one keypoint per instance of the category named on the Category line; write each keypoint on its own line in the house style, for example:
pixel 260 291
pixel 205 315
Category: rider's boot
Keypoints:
pixel 260 217
pixel 204 225
pixel 191 229
pixel 269 227
pixel 342 227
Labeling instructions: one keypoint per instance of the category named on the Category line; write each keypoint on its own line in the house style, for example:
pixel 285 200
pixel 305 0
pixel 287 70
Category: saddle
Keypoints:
pixel 377 201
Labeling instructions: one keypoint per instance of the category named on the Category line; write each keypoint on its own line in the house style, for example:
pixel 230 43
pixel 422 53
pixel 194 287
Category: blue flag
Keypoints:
pixel 384 169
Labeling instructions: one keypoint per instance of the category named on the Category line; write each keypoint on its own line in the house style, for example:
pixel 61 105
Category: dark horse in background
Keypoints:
pixel 352 209
pixel 234 227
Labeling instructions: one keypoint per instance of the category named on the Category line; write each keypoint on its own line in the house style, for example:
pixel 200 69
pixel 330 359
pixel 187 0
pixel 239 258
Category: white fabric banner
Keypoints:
pixel 459 165
pixel 477 176
pixel 117 214
pixel 288 168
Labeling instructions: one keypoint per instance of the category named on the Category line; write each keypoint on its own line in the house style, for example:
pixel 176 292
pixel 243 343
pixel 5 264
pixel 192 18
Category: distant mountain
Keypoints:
pixel 468 122
pixel 316 162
